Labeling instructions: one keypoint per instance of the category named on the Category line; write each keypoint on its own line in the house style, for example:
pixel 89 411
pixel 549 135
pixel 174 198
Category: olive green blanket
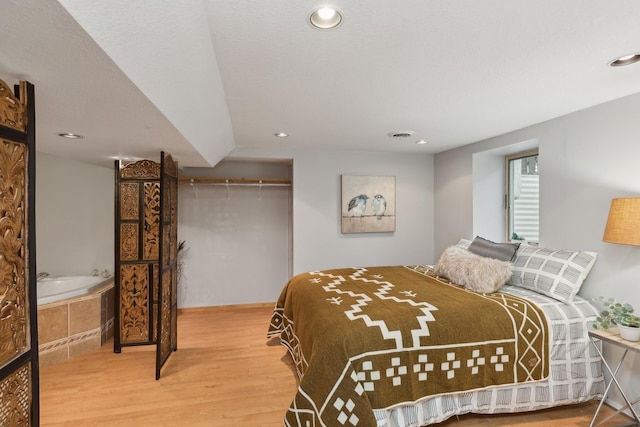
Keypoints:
pixel 371 338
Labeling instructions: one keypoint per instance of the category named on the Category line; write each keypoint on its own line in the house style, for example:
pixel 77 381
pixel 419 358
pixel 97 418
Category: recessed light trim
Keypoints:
pixel 422 142
pixel 625 60
pixel 125 159
pixel 401 134
pixel 70 135
pixel 281 134
pixel 325 18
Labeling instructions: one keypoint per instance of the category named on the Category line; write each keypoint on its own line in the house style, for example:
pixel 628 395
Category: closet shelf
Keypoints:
pixel 235 181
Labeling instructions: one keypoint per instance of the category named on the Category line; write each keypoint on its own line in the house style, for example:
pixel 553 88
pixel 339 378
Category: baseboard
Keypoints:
pixel 227 307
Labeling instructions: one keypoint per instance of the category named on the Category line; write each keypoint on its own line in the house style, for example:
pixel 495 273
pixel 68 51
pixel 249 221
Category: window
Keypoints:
pixel 522 196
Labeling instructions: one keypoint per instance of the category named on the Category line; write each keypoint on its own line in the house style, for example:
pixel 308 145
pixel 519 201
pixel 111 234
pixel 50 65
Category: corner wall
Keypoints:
pixel 74 216
pixel 213 228
pixel 317 239
pixel 75 208
pixel 585 159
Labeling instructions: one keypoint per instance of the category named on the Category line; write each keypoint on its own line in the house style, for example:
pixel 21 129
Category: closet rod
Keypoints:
pixel 235 181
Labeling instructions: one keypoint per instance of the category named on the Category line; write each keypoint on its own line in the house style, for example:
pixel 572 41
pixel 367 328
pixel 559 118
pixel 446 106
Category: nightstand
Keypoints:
pixel 612 337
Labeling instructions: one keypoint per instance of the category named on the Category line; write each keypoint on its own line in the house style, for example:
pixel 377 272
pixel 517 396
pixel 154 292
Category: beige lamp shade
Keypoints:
pixel 623 224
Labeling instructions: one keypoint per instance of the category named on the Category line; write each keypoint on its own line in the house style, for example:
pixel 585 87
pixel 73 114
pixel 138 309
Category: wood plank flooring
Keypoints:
pixel 225 373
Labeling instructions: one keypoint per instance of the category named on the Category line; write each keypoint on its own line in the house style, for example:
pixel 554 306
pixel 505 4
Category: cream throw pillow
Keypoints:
pixel 474 272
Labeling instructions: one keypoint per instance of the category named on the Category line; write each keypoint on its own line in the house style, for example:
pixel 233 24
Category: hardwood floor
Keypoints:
pixel 225 373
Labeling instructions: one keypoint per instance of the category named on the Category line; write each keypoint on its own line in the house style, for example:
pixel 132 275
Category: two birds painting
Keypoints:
pixel 358 205
pixel 368 204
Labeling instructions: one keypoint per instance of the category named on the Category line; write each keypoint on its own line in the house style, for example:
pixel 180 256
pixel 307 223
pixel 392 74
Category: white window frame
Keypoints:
pixel 508 187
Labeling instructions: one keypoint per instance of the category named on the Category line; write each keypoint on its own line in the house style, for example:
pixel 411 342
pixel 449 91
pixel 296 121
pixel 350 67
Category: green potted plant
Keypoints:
pixel 620 315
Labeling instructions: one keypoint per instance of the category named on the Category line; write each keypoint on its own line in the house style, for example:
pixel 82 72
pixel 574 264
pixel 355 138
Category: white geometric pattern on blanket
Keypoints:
pixel 382 292
pixel 563 387
pixel 371 374
pixel 393 369
pixel 291 342
pixel 529 336
pixel 576 373
pixel 346 408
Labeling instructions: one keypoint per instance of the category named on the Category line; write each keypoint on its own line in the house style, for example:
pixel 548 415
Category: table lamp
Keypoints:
pixel 623 223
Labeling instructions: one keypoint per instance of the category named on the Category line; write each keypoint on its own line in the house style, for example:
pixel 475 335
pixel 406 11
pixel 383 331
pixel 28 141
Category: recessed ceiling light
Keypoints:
pixel 422 141
pixel 281 134
pixel 325 18
pixel 401 134
pixel 70 135
pixel 124 158
pixel 625 60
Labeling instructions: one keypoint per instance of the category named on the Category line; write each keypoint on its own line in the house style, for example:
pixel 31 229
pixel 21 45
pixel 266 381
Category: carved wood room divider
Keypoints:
pixel 19 373
pixel 137 243
pixel 168 307
pixel 146 256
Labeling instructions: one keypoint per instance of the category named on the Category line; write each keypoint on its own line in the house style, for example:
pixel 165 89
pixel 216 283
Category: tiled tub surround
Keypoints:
pixel 76 325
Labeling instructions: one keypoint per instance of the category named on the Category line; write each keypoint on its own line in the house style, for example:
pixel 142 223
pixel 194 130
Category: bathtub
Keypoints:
pixel 75 316
pixel 52 289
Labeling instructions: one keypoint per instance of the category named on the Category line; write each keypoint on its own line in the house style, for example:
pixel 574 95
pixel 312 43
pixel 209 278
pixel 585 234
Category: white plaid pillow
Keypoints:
pixel 556 273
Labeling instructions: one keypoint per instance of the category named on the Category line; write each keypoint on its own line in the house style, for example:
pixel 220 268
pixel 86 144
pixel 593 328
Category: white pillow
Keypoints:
pixel 557 274
pixel 474 272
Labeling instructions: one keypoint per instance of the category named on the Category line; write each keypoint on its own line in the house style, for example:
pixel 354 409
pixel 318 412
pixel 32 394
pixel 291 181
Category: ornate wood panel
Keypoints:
pixel 137 253
pixel 19 387
pixel 168 308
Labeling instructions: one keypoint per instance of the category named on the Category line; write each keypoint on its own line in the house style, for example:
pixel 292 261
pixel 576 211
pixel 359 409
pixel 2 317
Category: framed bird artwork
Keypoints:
pixel 368 204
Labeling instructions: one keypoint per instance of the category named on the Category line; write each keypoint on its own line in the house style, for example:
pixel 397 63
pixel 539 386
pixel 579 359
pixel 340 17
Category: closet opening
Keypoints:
pixel 235 222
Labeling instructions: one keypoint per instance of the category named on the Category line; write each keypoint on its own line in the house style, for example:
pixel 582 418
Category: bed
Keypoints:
pixel 401 346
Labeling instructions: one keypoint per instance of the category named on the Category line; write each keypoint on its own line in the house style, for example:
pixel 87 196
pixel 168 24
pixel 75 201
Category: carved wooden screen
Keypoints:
pixel 19 378
pixel 168 314
pixel 137 244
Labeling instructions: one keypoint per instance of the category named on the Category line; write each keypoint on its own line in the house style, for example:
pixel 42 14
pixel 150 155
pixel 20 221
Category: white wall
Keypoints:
pixel 75 220
pixel 488 175
pixel 585 159
pixel 226 235
pixel 237 237
pixel 487 203
pixel 238 245
pixel 317 239
pixel 74 216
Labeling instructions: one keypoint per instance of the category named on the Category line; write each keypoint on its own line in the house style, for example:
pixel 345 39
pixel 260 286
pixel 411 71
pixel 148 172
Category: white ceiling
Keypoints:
pixel 197 78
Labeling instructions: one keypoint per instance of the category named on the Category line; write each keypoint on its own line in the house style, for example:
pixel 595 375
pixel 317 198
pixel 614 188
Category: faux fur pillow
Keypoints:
pixel 474 272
